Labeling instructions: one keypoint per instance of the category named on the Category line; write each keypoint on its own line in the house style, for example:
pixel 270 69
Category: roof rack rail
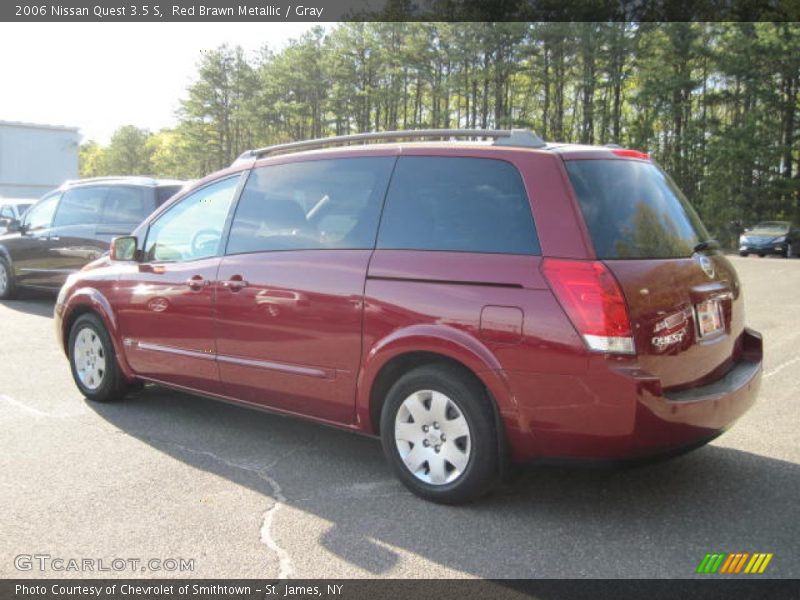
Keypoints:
pixel 503 137
pixel 139 178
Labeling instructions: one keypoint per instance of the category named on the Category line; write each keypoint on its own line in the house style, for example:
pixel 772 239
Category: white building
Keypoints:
pixel 36 158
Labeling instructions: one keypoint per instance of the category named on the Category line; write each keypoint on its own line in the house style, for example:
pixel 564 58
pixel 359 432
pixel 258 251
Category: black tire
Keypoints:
pixel 744 253
pixel 112 385
pixel 8 288
pixel 761 255
pixel 482 469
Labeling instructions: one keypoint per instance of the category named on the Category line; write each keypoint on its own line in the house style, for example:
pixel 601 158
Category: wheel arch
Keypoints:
pixel 92 301
pixel 403 351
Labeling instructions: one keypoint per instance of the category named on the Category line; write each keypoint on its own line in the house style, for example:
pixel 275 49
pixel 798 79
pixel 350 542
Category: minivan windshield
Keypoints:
pixel 776 227
pixel 634 210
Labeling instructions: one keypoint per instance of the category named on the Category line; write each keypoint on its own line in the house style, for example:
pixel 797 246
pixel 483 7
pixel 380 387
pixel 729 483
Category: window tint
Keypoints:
pixel 633 210
pixel 457 204
pixel 315 204
pixel 192 228
pixel 166 192
pixel 127 205
pixel 81 206
pixel 40 215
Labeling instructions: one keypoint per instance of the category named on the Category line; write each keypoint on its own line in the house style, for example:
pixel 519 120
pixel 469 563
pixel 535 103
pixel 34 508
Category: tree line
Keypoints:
pixel 715 103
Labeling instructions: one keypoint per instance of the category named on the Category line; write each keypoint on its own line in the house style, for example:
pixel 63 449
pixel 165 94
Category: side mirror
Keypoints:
pixel 123 248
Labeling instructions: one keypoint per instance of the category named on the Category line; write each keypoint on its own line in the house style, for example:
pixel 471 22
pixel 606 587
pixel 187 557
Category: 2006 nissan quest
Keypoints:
pixel 468 302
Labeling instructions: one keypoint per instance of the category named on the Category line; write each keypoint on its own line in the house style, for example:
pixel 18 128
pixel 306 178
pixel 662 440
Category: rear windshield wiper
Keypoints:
pixel 707 245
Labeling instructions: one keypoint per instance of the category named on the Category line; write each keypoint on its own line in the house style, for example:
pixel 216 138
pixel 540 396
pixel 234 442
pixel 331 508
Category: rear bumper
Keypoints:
pixel 623 412
pixel 681 418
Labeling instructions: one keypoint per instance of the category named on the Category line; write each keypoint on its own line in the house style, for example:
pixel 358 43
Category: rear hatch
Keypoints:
pixel 684 301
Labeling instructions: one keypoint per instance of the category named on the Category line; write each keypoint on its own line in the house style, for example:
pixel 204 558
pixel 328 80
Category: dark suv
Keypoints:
pixel 468 302
pixel 72 226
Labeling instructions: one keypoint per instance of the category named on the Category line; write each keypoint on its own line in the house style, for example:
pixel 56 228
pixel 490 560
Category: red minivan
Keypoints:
pixel 470 302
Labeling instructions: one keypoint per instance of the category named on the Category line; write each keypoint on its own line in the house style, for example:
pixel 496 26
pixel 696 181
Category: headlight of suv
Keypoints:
pixel 779 240
pixel 743 240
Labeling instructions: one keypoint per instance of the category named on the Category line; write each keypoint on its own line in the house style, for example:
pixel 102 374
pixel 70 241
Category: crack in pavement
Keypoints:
pixel 285 567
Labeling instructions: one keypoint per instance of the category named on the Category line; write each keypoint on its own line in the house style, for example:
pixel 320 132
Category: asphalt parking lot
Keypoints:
pixel 245 494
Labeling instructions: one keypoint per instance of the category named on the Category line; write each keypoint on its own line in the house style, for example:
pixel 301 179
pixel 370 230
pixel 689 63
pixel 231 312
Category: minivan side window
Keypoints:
pixel 164 193
pixel 80 206
pixel 192 228
pixel 314 204
pixel 127 205
pixel 40 215
pixel 459 205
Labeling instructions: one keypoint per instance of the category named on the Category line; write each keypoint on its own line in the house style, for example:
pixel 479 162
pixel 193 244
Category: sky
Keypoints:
pixel 100 76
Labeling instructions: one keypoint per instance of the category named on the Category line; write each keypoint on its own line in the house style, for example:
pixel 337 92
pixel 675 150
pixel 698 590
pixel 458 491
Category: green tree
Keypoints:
pixel 218 113
pixel 128 153
pixel 92 160
pixel 170 155
pixel 715 103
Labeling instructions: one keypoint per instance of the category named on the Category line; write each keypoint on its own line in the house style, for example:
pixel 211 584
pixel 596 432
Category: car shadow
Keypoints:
pixel 656 520
pixel 33 303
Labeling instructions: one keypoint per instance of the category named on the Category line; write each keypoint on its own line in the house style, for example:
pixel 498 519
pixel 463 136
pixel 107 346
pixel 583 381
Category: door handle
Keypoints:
pixel 198 282
pixel 235 283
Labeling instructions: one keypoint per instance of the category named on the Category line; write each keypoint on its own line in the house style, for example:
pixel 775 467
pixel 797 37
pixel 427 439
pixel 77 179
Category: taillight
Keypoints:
pixel 593 301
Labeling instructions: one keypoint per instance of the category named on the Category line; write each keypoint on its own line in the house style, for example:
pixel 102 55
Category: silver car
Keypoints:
pixel 13 209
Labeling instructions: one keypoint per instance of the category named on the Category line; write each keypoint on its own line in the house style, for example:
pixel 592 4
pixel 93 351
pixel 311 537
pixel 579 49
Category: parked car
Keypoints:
pixel 72 226
pixel 468 302
pixel 12 209
pixel 771 237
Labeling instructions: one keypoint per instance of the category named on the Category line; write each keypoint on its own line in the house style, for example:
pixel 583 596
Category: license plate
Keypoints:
pixel 709 317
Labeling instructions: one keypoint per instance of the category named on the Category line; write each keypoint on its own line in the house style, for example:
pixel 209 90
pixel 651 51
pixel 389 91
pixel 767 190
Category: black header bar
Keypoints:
pixel 398 10
pixel 746 587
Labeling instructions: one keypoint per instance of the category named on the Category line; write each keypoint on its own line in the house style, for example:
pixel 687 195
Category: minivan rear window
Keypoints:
pixel 634 210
